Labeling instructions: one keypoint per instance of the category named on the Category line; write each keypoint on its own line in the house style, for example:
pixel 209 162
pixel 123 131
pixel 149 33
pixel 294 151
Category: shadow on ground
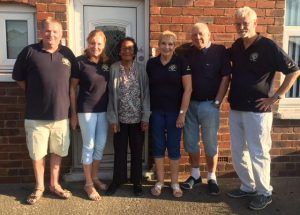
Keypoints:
pixel 286 200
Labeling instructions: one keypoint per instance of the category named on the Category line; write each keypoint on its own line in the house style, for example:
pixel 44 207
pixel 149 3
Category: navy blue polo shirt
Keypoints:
pixel 47 81
pixel 93 93
pixel 165 83
pixel 253 70
pixel 209 66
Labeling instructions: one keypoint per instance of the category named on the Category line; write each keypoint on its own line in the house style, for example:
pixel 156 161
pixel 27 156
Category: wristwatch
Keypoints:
pixel 277 96
pixel 216 103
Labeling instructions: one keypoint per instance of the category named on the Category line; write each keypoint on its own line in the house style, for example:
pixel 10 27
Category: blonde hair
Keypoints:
pixel 167 34
pixel 91 35
pixel 49 20
pixel 246 12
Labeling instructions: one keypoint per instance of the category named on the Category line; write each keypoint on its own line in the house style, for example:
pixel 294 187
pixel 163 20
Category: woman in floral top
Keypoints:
pixel 128 115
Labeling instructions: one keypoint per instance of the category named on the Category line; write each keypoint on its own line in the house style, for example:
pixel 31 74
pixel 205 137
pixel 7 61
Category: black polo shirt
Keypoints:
pixel 253 70
pixel 93 78
pixel 165 83
pixel 208 66
pixel 47 81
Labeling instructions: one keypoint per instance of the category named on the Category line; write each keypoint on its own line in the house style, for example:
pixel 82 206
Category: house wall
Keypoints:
pixel 15 164
pixel 177 16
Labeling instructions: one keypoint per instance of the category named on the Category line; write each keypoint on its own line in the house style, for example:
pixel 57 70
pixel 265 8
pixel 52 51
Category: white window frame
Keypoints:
pixel 288 108
pixel 14 12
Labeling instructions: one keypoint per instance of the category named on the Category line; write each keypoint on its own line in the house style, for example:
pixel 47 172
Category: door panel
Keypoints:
pixel 116 23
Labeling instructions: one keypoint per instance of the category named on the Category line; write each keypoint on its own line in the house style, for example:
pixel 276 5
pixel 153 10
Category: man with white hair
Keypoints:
pixel 255 59
pixel 210 68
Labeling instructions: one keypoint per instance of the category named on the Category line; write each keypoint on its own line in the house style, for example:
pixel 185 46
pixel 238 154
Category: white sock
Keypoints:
pixel 211 175
pixel 196 173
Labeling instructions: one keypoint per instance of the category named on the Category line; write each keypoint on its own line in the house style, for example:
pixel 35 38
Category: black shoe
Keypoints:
pixel 137 190
pixel 190 182
pixel 260 202
pixel 112 189
pixel 213 188
pixel 240 193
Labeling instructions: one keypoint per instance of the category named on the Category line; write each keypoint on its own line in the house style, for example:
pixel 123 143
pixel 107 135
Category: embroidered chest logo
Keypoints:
pixel 105 68
pixel 66 62
pixel 253 57
pixel 188 68
pixel 172 68
pixel 291 65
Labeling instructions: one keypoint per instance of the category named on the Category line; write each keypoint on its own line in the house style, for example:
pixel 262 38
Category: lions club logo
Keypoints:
pixel 105 68
pixel 253 57
pixel 172 68
pixel 66 62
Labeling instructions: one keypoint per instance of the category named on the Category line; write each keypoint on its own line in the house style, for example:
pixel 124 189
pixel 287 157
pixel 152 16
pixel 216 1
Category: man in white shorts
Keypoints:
pixel 43 70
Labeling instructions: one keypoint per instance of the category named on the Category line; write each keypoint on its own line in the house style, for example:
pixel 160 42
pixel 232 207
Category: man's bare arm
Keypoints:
pixel 22 84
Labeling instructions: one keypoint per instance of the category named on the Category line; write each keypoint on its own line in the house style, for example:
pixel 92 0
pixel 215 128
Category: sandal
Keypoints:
pixel 156 189
pixel 35 196
pixel 177 192
pixel 99 185
pixel 60 192
pixel 94 195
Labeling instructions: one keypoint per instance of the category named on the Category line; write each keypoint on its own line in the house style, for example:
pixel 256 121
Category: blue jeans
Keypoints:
pixel 165 134
pixel 201 114
pixel 93 128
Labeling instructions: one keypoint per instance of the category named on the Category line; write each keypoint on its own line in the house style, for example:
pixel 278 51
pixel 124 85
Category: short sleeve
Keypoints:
pixel 284 63
pixel 21 64
pixel 148 67
pixel 185 67
pixel 74 65
pixel 226 65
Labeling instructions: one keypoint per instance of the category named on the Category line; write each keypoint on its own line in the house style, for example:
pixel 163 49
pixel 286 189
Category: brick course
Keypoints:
pixel 178 16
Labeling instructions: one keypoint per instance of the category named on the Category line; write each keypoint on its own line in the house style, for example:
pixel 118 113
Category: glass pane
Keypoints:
pixel 294 52
pixel 113 35
pixel 17 37
pixel 292 16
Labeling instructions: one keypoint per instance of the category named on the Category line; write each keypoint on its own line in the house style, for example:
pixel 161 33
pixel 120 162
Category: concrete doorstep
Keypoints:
pixel 286 200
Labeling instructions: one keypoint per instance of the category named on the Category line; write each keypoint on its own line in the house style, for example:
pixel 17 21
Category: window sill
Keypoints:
pixel 5 75
pixel 288 108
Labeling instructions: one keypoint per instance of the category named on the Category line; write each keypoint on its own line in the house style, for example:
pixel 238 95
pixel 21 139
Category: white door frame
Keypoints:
pixel 76 43
pixel 76 33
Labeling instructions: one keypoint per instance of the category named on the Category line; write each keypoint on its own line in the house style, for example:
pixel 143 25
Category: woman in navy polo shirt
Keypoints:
pixel 170 91
pixel 91 106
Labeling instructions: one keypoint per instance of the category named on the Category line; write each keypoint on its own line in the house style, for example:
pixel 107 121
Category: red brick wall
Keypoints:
pixel 178 16
pixel 15 164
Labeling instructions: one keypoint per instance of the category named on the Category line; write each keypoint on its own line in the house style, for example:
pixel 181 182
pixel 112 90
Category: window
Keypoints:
pixel 17 31
pixel 289 107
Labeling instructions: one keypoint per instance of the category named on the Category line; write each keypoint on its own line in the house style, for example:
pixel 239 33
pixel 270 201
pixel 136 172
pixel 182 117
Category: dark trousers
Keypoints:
pixel 133 134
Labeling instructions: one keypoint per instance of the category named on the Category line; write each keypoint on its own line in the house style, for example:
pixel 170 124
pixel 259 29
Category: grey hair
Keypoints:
pixel 168 34
pixel 200 25
pixel 49 20
pixel 246 11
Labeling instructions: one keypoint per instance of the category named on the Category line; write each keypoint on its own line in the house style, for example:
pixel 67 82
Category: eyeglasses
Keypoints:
pixel 124 49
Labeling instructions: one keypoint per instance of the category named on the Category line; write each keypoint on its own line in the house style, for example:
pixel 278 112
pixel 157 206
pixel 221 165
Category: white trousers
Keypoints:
pixel 93 128
pixel 250 147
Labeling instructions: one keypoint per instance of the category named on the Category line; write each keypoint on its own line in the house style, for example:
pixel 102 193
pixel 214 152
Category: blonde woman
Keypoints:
pixel 170 90
pixel 89 108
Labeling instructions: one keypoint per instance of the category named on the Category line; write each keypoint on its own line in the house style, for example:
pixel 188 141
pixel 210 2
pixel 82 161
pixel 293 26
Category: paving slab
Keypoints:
pixel 286 201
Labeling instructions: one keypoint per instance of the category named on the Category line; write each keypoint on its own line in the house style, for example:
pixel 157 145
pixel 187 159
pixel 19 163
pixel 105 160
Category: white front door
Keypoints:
pixel 117 19
pixel 115 22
